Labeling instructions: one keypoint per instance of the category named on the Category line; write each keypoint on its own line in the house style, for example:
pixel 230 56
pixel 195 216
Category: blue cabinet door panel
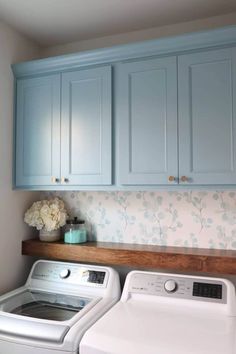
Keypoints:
pixel 207 117
pixel 147 114
pixel 86 127
pixel 38 131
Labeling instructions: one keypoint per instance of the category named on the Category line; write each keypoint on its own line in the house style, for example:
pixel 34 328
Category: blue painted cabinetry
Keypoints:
pixel 63 129
pixel 37 131
pixel 86 127
pixel 147 111
pixel 201 148
pixel 207 117
pixel 174 115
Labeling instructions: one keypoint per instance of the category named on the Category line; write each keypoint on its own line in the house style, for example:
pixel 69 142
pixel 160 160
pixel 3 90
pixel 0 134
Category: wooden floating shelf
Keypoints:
pixel 136 256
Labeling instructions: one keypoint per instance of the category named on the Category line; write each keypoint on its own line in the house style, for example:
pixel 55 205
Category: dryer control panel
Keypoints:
pixel 70 274
pixel 184 287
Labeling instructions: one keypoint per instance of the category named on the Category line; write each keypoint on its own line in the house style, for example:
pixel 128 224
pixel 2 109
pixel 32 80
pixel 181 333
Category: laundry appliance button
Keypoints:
pixel 170 286
pixel 65 273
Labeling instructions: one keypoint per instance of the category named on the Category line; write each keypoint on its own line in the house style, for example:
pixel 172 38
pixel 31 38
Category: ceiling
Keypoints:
pixel 51 22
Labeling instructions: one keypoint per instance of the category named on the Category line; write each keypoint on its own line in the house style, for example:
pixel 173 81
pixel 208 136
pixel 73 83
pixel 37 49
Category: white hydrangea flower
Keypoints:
pixel 48 214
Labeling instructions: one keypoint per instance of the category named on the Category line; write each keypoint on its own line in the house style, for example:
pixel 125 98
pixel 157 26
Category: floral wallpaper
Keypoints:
pixel 205 219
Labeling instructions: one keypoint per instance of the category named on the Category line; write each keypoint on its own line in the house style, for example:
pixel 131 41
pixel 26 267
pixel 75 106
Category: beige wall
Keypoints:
pixel 171 30
pixel 13 267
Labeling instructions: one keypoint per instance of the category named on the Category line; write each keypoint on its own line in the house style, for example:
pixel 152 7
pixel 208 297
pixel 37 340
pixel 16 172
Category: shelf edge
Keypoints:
pixel 139 257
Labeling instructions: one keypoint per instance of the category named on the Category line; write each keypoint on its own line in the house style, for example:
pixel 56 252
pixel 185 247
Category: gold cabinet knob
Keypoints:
pixel 184 179
pixel 171 178
pixel 55 179
pixel 64 180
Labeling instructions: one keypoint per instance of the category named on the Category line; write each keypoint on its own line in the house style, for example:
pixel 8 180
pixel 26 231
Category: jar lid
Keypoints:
pixel 75 221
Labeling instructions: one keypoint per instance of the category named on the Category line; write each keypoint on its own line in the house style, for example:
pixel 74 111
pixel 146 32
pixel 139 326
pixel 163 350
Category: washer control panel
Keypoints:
pixel 178 287
pixel 71 274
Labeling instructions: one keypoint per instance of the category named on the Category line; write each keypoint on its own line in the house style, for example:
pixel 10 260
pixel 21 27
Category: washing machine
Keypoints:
pixel 58 303
pixel 167 314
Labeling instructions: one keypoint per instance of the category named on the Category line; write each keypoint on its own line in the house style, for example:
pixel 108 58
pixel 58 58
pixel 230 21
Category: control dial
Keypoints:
pixel 170 286
pixel 65 273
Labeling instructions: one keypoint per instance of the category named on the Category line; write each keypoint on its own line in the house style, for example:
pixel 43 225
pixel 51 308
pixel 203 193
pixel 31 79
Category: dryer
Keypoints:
pixel 58 303
pixel 167 314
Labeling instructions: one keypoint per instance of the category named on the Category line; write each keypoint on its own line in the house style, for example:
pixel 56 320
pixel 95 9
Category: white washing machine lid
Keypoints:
pixel 40 315
pixel 136 327
pixel 45 305
pixel 32 330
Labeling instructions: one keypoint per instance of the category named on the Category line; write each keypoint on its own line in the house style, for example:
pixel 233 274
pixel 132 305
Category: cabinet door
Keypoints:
pixel 147 101
pixel 207 117
pixel 86 127
pixel 37 131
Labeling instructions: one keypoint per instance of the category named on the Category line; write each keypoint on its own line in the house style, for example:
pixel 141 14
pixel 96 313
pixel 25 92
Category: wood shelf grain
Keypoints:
pixel 140 256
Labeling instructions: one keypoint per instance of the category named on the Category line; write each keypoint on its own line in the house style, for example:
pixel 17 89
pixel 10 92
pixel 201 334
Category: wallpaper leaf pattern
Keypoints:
pixel 205 219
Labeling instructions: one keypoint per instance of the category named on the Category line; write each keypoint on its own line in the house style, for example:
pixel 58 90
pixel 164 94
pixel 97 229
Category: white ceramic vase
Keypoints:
pixel 49 236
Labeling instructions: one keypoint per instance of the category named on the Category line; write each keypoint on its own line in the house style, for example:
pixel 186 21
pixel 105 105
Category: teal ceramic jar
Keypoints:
pixel 75 231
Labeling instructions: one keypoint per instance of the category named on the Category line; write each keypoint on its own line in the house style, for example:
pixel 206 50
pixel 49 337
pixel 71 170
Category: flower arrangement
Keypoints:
pixel 48 214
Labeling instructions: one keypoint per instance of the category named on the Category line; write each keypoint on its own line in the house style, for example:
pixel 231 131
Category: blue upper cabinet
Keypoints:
pixel 37 131
pixel 86 127
pixel 147 113
pixel 207 117
pixel 63 129
pixel 174 115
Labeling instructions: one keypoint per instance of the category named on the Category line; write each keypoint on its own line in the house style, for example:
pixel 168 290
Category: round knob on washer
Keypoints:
pixel 64 273
pixel 170 286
